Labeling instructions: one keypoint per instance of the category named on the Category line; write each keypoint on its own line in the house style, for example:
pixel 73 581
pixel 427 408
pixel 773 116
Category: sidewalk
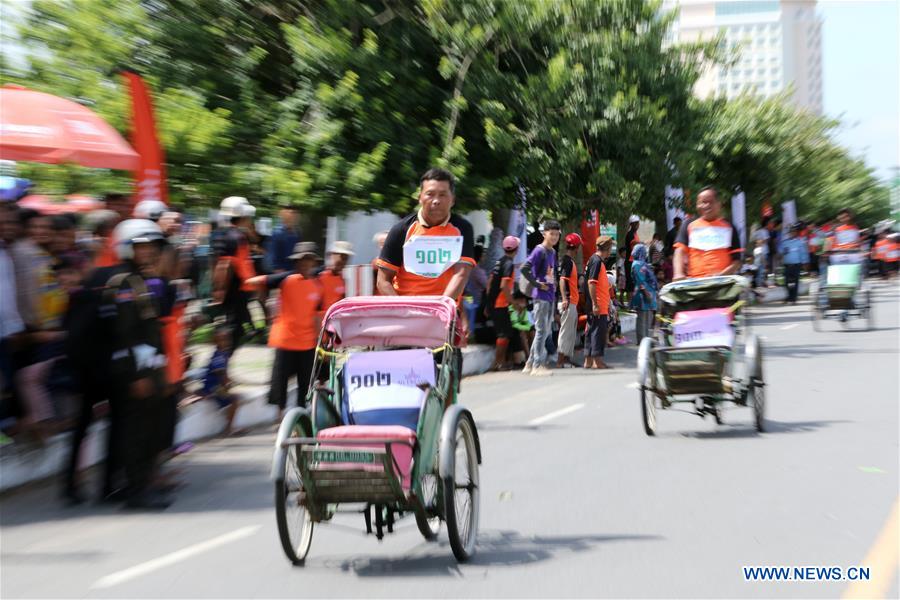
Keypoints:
pixel 251 370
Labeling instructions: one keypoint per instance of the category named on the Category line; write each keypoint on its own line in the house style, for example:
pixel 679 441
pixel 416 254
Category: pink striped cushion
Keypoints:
pixel 402 451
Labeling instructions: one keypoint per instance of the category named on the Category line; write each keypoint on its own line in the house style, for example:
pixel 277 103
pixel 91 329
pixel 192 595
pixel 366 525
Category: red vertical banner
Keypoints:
pixel 590 230
pixel 151 175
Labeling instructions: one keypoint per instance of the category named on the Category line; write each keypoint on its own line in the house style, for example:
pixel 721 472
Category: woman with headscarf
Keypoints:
pixel 643 297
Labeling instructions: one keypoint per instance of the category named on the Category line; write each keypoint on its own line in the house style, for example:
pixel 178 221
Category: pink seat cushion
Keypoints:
pixel 401 451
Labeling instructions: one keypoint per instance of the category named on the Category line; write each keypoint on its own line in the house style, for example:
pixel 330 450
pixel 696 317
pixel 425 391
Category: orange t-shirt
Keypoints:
pixel 711 246
pixel 433 264
pixel 845 237
pixel 243 265
pixel 301 300
pixel 107 256
pixel 596 273
pixel 332 288
pixel 504 270
pixel 173 340
pixel 892 252
pixel 880 251
pixel 571 277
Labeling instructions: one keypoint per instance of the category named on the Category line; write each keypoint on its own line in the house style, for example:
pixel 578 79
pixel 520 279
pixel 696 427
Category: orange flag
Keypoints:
pixel 151 175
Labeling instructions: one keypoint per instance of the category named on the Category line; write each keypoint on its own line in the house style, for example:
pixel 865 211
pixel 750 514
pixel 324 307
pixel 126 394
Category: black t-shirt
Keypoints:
pixel 503 269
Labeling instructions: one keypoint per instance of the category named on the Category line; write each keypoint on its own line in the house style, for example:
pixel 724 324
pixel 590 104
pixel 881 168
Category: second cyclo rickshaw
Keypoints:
pixel 843 294
pixel 383 430
pixel 703 353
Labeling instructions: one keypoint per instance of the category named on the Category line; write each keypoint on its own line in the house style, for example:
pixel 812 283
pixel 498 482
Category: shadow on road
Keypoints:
pixel 812 351
pixel 772 427
pixel 495 548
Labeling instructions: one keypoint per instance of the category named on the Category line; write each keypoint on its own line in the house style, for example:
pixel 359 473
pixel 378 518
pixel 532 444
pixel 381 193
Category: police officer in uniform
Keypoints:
pixel 128 322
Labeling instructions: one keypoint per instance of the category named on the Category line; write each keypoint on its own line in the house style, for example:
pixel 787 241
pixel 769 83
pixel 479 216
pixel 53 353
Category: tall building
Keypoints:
pixel 779 44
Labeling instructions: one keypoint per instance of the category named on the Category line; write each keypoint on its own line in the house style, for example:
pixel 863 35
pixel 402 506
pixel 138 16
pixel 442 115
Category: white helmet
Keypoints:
pixel 231 206
pixel 247 210
pixel 149 209
pixel 634 219
pixel 135 231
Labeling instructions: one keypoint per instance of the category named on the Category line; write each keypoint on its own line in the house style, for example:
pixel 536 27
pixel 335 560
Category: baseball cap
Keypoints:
pixel 573 239
pixel 510 242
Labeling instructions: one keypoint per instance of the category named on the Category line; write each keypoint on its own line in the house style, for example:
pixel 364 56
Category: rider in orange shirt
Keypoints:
pixel 707 245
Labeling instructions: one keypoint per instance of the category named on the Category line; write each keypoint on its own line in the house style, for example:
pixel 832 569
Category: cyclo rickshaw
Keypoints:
pixel 703 352
pixel 383 429
pixel 844 293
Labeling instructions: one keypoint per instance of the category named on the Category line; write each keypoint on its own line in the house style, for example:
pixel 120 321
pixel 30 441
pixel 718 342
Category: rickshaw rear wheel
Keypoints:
pixel 757 382
pixel 459 458
pixel 645 377
pixel 867 312
pixel 295 526
pixel 817 313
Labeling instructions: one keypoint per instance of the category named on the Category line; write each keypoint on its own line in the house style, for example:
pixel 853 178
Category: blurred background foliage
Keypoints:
pixel 339 106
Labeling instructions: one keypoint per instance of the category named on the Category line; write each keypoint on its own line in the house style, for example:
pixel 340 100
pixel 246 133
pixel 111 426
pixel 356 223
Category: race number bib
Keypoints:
pixel 710 238
pixel 431 255
pixel 847 237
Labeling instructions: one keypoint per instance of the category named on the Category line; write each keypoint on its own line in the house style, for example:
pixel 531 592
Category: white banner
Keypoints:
pixel 517 222
pixel 788 214
pixel 739 216
pixel 673 205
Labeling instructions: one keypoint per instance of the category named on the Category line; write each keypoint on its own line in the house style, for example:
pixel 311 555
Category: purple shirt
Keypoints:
pixel 543 267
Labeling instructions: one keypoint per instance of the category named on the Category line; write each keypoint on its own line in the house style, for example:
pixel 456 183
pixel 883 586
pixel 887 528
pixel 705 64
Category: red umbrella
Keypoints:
pixel 42 204
pixel 82 203
pixel 40 127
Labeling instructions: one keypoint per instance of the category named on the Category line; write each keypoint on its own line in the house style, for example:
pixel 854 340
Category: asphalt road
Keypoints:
pixel 576 500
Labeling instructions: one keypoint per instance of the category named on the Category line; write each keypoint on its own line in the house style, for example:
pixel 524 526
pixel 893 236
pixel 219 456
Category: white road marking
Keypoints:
pixel 175 557
pixel 791 326
pixel 556 413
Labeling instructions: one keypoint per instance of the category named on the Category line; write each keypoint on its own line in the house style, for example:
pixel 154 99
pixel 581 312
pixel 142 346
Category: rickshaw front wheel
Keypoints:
pixel 429 525
pixel 295 526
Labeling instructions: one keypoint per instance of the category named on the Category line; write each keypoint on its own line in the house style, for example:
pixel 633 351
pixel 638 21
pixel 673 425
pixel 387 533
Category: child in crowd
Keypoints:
pixel 522 324
pixel 216 383
pixel 614 331
pixel 618 282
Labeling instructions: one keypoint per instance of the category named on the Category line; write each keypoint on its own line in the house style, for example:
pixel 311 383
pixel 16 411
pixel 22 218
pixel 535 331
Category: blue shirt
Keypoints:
pixel 281 245
pixel 215 371
pixel 794 251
